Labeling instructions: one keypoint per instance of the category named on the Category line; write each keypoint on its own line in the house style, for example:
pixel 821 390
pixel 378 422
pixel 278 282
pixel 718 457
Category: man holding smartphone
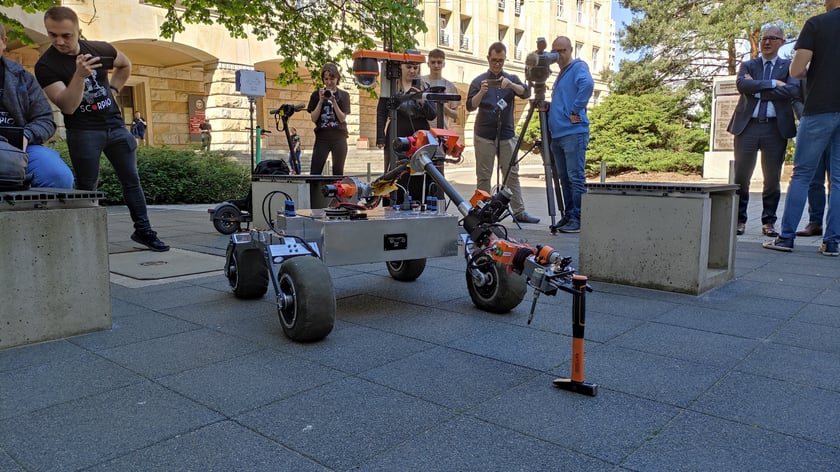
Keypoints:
pixel 492 94
pixel 74 75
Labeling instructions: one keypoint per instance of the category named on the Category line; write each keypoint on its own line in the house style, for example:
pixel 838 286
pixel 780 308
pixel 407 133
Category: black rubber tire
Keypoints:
pixel 311 314
pixel 503 292
pixel 222 216
pixel 246 271
pixel 407 270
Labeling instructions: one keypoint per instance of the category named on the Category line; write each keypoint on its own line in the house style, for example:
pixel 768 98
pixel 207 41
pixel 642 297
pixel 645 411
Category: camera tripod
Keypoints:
pixel 553 191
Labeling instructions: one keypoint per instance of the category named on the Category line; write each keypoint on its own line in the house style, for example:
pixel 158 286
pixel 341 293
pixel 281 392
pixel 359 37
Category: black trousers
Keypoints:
pixel 766 138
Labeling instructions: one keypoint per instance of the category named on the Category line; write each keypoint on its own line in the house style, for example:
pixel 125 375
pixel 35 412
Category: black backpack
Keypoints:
pixel 13 162
pixel 272 167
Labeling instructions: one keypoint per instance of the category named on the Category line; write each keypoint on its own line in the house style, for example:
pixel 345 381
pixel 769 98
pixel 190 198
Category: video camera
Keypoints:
pixel 538 62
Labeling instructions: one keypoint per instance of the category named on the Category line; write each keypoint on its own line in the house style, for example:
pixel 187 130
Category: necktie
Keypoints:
pixel 762 105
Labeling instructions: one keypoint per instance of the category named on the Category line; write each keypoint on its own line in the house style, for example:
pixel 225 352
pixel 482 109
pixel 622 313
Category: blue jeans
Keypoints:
pixel 816 192
pixel 817 134
pixel 294 161
pixel 120 147
pixel 570 162
pixel 47 168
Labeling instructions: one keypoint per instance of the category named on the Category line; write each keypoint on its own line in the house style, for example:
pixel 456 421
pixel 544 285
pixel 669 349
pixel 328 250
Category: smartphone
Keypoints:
pixel 416 83
pixel 107 62
pixel 494 83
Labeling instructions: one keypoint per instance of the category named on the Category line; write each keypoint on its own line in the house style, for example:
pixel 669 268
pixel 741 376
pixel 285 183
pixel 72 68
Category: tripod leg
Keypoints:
pixel 548 166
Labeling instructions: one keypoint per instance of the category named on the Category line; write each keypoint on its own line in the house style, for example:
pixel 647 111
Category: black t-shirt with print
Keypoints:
pixel 99 109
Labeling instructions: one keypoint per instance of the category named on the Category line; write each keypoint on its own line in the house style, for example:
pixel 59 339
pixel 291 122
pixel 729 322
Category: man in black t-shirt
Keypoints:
pixel 74 75
pixel 817 58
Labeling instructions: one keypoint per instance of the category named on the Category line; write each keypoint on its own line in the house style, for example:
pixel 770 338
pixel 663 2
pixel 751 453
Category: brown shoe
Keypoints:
pixel 769 230
pixel 741 229
pixel 812 229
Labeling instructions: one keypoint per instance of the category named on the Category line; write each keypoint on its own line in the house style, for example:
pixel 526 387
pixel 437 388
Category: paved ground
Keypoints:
pixel 744 377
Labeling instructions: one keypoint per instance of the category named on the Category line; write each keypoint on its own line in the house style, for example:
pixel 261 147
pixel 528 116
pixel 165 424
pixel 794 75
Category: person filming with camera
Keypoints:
pixel 328 108
pixel 569 127
pixel 492 94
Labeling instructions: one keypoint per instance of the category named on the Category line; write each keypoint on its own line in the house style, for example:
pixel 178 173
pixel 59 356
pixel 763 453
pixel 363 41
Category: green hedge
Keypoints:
pixel 171 176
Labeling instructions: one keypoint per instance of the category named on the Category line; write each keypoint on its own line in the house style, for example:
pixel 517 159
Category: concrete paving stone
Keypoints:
pixel 162 296
pixel 803 262
pixel 831 296
pixel 742 325
pixel 819 314
pixel 354 348
pixel 608 426
pixel 89 430
pixel 250 381
pixel 638 292
pixel 663 379
pixel 37 354
pixel 557 318
pixel 794 280
pixel 7 464
pixel 470 444
pixel 345 423
pixel 356 284
pixel 223 446
pixel 694 441
pixel 123 308
pixel 518 345
pixel 631 307
pixel 141 326
pixel 450 378
pixel 786 407
pixel 794 364
pixel 178 352
pixel 223 310
pixel 32 388
pixel 263 330
pixel 752 304
pixel 413 321
pixel 693 345
pixel 786 291
pixel 808 336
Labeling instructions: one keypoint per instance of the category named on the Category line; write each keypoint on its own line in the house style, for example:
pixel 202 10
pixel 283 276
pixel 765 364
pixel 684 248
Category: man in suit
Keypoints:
pixel 763 120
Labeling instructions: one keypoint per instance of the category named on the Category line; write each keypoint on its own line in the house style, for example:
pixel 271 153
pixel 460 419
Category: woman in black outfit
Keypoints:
pixel 328 108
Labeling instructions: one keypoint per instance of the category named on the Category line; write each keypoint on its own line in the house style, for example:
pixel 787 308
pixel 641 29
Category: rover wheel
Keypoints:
pixel 407 270
pixel 306 302
pixel 246 271
pixel 501 291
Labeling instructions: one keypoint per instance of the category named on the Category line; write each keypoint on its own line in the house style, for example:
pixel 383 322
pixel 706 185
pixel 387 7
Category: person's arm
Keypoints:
pixel 68 97
pixel 38 124
pixel 122 70
pixel 799 65
pixel 381 120
pixel 477 91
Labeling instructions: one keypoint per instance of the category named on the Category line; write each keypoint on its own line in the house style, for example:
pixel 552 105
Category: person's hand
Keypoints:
pixel 575 118
pixel 779 83
pixel 748 76
pixel 505 83
pixel 86 64
pixel 381 146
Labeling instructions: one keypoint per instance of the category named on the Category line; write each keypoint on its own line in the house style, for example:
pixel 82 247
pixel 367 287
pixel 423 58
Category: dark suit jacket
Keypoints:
pixel 782 97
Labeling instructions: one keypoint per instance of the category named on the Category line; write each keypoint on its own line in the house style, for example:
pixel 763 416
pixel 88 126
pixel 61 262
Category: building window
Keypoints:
pixel 444 36
pixel 561 9
pixel 596 52
pixel 465 38
pixel 517 9
pixel 581 16
pixel 596 17
pixel 501 5
pixel 518 50
pixel 502 33
pixel 578 50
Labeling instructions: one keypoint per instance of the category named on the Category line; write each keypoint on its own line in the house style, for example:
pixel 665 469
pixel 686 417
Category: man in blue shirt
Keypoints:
pixel 569 127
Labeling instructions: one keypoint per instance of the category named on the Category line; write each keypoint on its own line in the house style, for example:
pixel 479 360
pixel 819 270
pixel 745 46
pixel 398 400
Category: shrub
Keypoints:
pixel 171 176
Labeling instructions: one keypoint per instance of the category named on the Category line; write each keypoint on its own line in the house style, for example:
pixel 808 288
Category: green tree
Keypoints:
pixel 13 27
pixel 648 133
pixel 311 32
pixel 691 41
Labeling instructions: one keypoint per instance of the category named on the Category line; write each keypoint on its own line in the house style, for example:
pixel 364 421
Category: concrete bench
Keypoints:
pixel 54 277
pixel 666 236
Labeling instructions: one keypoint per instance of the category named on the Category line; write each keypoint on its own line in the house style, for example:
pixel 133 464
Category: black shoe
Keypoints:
pixel 829 248
pixel 525 218
pixel 779 244
pixel 149 239
pixel 741 228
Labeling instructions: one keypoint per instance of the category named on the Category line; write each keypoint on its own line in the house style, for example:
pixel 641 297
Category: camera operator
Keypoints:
pixel 413 114
pixel 569 129
pixel 328 109
pixel 492 94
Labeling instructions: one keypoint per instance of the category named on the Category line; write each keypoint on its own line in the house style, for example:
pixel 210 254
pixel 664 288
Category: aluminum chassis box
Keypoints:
pixel 386 235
